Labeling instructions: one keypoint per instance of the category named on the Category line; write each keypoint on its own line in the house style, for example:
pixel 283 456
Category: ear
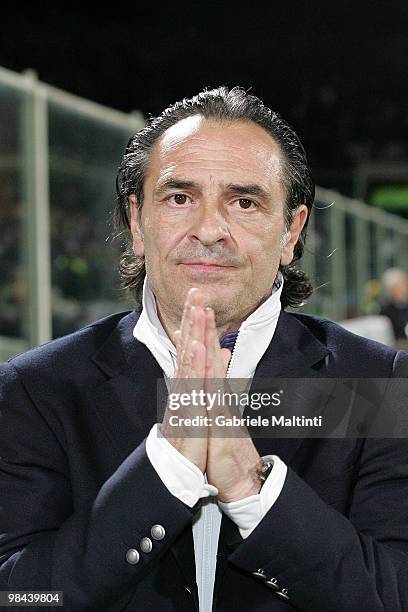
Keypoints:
pixel 299 217
pixel 137 234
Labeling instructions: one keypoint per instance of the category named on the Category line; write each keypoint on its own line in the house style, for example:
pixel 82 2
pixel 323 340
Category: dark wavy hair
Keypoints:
pixel 225 105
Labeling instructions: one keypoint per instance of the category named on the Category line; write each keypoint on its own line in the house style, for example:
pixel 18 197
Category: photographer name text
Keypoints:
pixel 247 421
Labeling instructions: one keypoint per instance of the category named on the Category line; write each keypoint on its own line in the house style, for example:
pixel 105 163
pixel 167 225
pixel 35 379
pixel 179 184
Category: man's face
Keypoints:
pixel 213 217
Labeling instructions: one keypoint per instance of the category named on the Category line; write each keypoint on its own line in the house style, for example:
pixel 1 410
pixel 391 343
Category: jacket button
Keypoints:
pixel 146 545
pixel 132 556
pixel 259 574
pixel 283 594
pixel 158 532
pixel 272 583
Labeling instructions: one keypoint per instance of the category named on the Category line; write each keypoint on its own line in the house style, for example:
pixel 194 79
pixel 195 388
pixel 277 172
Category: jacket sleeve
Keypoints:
pixel 323 560
pixel 46 543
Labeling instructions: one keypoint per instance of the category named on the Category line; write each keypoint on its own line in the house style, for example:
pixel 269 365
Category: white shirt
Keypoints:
pixel 184 479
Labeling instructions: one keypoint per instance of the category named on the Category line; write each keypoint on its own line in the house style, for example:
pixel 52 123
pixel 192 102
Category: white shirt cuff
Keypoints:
pixel 247 513
pixel 181 477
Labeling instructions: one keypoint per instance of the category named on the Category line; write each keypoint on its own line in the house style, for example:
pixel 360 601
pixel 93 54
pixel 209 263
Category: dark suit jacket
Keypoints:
pixel 398 317
pixel 77 489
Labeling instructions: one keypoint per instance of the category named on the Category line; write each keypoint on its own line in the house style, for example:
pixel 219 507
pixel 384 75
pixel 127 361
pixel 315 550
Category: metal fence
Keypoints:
pixel 349 247
pixel 58 160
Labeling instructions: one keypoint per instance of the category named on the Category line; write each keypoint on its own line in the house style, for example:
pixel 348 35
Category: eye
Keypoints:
pixel 179 198
pixel 245 204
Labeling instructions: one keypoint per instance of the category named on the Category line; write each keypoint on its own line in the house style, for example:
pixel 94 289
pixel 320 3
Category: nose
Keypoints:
pixel 208 225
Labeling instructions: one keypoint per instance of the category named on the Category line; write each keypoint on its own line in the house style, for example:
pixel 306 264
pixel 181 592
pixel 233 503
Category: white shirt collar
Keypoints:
pixel 254 337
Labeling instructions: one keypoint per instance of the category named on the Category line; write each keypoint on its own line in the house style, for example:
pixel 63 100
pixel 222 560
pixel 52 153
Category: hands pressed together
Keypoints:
pixel 231 463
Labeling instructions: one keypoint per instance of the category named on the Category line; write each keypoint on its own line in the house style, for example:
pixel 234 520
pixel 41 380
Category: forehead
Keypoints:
pixel 220 149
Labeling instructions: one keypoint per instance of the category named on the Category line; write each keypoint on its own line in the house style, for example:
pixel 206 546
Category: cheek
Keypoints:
pixel 160 238
pixel 265 242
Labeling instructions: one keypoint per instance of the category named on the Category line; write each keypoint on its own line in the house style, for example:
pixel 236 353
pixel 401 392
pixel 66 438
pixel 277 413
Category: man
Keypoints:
pixel 101 502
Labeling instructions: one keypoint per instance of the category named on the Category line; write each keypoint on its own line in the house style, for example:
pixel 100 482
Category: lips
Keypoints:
pixel 214 264
pixel 205 266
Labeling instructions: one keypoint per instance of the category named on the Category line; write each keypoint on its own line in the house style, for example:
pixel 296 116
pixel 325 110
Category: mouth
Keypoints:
pixel 205 266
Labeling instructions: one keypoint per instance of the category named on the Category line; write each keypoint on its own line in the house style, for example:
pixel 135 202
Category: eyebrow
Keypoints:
pixel 173 183
pixel 254 190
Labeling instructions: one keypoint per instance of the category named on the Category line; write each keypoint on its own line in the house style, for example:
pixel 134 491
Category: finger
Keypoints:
pixel 192 328
pixel 185 355
pixel 177 339
pixel 189 302
pixel 209 366
pixel 185 320
pixel 215 368
pixel 198 363
pixel 194 333
pixel 226 357
pixel 194 299
pixel 197 330
pixel 195 337
pixel 221 369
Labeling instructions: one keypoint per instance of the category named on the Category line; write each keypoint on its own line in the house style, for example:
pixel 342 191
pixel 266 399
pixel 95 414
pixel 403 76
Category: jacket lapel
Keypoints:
pixel 126 402
pixel 294 352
